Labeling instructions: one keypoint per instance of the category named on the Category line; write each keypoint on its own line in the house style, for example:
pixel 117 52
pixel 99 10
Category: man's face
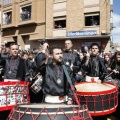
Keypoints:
pixel 106 57
pixel 14 50
pixel 94 50
pixel 81 55
pixel 68 45
pixel 57 55
pixel 25 57
pixel 30 56
pixel 118 58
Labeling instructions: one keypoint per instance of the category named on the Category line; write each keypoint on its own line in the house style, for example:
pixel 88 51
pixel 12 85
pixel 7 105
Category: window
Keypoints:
pixel 59 22
pixel 92 19
pixel 7 18
pixel 7 2
pixel 25 13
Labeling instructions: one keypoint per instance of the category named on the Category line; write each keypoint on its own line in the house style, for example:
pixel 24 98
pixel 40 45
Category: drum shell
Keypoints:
pixel 99 103
pixel 41 112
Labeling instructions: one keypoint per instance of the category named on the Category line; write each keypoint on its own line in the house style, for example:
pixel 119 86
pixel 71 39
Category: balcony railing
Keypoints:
pixel 7 21
pixel 7 2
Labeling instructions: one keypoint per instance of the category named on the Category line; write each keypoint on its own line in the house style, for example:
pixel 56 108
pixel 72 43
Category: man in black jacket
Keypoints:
pixel 94 65
pixel 71 58
pixel 15 67
pixel 15 70
pixel 55 85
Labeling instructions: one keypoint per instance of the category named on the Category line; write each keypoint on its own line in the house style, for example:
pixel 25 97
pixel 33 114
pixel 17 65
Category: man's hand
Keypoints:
pixel 98 81
pixel 109 69
pixel 30 79
pixel 69 102
pixel 80 73
pixel 115 71
pixel 87 54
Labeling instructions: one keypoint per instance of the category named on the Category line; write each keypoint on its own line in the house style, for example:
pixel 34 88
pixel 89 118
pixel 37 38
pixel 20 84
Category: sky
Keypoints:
pixel 116 21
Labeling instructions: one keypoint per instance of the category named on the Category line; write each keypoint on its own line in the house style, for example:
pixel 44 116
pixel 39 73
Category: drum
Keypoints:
pixel 101 99
pixel 49 112
pixel 12 93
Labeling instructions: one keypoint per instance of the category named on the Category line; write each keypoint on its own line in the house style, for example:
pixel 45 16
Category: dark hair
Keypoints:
pixel 94 44
pixel 13 44
pixel 24 53
pixel 54 47
pixel 30 52
pixel 42 42
pixel 118 53
pixel 68 40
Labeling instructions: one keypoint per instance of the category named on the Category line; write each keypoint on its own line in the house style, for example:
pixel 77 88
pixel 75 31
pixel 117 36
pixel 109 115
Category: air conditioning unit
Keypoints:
pixel 103 32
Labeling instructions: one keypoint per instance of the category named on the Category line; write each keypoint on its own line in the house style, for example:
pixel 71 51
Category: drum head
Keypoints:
pixel 94 87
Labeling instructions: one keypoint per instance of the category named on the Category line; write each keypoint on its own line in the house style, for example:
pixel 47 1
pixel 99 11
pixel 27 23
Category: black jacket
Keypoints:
pixel 101 71
pixel 50 83
pixel 22 71
pixel 73 58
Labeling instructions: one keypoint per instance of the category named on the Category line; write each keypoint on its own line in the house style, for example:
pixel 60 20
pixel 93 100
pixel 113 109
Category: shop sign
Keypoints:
pixel 82 33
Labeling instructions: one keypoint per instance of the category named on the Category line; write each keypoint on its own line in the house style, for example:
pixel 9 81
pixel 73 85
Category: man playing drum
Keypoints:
pixel 55 86
pixel 15 67
pixel 15 70
pixel 94 65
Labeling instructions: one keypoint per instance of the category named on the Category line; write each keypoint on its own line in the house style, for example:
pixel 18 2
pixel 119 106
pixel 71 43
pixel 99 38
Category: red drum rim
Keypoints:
pixel 101 113
pixel 13 83
pixel 6 108
pixel 98 92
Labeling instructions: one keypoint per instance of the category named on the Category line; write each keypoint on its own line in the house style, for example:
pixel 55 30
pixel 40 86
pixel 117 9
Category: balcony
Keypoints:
pixel 92 19
pixel 7 2
pixel 26 15
pixel 7 19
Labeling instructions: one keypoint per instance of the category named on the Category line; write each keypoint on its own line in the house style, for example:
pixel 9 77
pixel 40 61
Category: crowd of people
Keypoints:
pixel 18 65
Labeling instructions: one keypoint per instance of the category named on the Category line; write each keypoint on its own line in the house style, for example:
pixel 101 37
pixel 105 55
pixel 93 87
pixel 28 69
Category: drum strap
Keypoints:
pixel 70 82
pixel 67 75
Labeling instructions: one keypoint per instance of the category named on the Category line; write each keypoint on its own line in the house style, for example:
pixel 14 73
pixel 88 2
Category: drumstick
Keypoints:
pixel 109 74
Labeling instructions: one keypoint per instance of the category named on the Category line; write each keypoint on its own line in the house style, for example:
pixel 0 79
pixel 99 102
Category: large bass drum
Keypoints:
pixel 101 99
pixel 49 112
pixel 13 93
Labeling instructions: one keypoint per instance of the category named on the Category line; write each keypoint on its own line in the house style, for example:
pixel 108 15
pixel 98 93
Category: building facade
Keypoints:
pixel 82 21
pixel 23 21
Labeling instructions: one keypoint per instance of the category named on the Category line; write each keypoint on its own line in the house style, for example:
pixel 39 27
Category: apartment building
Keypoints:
pixel 23 22
pixel 82 21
